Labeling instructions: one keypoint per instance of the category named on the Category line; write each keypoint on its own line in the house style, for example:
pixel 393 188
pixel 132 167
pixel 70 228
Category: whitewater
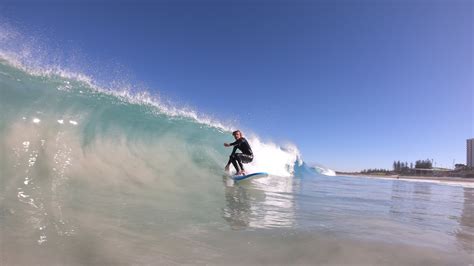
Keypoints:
pixel 96 176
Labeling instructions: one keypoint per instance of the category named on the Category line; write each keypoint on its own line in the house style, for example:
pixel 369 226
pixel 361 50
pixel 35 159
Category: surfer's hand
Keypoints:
pixel 226 144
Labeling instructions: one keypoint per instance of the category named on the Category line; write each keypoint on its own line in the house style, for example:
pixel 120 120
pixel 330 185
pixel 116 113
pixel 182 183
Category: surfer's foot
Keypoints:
pixel 241 173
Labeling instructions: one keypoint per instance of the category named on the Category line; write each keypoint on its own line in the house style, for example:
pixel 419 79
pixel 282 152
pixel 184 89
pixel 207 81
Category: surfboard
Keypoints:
pixel 245 177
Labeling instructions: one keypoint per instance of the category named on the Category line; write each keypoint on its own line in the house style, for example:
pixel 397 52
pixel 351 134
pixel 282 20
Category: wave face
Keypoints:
pixel 58 123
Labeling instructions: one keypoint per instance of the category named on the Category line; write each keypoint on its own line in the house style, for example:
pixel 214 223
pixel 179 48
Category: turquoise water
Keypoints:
pixel 92 176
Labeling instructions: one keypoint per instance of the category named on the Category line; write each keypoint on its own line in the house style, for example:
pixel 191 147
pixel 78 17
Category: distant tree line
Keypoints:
pixel 460 166
pixel 371 171
pixel 401 166
pixel 404 167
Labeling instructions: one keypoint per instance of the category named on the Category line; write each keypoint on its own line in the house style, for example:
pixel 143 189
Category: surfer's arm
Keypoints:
pixel 231 144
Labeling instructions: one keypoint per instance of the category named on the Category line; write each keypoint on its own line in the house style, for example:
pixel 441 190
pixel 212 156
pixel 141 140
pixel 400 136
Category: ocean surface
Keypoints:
pixel 90 176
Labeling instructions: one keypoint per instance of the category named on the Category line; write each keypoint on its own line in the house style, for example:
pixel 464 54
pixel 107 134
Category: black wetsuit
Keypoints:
pixel 237 159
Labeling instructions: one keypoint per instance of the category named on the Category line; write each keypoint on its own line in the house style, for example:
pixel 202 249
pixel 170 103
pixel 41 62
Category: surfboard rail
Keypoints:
pixel 244 177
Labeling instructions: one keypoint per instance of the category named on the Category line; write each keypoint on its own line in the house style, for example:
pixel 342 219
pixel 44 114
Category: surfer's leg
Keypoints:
pixel 241 165
pixel 233 160
pixel 243 158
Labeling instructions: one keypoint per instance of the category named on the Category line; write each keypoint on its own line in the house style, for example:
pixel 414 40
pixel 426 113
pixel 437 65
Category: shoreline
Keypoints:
pixel 455 181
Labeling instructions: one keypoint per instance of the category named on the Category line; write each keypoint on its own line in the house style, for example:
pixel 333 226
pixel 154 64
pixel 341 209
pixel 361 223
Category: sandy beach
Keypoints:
pixel 456 181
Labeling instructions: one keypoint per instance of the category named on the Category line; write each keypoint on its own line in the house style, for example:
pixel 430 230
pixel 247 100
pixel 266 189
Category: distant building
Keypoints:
pixel 470 153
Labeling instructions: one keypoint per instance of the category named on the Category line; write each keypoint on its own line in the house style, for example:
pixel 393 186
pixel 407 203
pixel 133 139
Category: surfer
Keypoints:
pixel 238 159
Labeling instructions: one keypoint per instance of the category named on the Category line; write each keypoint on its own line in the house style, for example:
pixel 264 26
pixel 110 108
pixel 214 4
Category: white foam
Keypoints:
pixel 272 158
pixel 26 145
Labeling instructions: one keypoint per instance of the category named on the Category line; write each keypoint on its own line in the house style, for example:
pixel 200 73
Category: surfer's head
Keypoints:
pixel 237 134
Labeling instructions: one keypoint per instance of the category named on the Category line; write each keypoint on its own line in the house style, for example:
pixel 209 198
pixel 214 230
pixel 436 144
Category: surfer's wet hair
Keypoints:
pixel 235 132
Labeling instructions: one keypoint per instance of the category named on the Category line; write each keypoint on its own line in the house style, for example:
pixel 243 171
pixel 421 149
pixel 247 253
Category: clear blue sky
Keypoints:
pixel 354 84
